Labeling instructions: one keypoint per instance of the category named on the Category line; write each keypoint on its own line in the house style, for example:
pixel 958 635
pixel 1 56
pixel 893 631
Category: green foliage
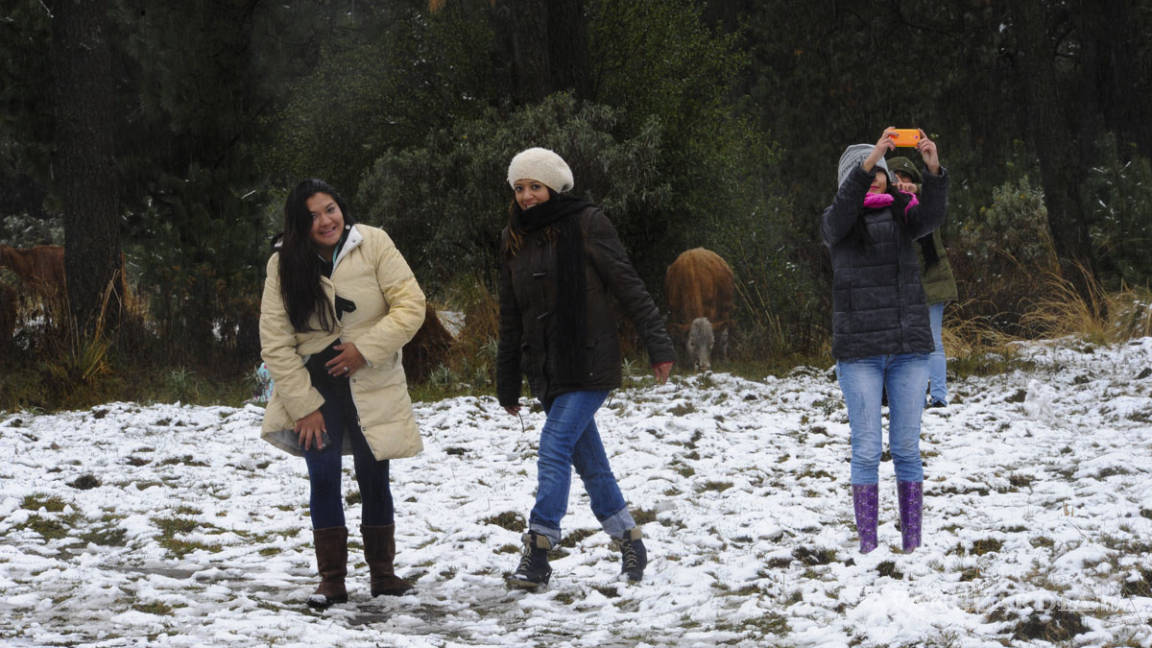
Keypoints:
pixel 1118 196
pixel 660 63
pixel 659 59
pixel 208 74
pixel 383 81
pixel 25 117
pixel 446 201
pixel 202 270
pixel 712 124
pixel 1004 254
pixel 23 230
pixel 1012 230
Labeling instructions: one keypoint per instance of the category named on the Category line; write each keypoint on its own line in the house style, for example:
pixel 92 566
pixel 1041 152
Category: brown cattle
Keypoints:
pixel 42 281
pixel 700 284
pixel 40 268
pixel 8 299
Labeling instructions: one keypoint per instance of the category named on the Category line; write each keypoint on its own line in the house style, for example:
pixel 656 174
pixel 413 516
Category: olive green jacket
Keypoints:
pixel 939 284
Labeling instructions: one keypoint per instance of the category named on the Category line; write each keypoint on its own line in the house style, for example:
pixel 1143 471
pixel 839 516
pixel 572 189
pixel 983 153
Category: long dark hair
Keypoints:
pixel 300 262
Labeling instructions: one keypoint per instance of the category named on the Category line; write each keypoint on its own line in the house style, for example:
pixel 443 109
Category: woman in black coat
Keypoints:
pixel 562 264
pixel 880 332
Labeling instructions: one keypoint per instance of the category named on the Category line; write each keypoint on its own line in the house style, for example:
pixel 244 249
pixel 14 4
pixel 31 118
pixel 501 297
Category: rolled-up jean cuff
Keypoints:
pixel 617 524
pixel 552 533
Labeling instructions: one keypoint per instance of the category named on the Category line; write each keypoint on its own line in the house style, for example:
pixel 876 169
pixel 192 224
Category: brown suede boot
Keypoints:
pixel 379 551
pixel 332 563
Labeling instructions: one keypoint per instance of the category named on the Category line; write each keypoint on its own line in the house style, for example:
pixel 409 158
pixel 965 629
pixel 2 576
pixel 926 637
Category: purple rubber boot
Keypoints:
pixel 866 502
pixel 911 498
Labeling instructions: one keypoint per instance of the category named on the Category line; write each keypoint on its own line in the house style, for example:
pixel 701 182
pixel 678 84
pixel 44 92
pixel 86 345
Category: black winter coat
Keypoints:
pixel 877 299
pixel 529 344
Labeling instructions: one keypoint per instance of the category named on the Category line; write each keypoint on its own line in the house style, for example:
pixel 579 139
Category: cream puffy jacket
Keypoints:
pixel 370 272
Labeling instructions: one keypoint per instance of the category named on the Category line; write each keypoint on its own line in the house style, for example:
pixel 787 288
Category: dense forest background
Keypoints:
pixel 171 132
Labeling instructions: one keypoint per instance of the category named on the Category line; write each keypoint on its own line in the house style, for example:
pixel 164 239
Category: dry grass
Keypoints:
pixel 1058 307
pixel 1130 313
pixel 763 316
pixel 481 310
pixel 1063 308
pixel 470 364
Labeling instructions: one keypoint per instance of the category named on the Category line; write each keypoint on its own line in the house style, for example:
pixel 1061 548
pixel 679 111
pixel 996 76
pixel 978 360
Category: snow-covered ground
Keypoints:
pixel 169 525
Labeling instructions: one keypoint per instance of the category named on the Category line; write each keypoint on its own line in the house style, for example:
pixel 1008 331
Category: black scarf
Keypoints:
pixel 570 311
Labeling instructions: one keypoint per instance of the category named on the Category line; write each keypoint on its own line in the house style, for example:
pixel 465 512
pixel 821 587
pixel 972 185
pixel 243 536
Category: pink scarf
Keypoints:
pixel 881 200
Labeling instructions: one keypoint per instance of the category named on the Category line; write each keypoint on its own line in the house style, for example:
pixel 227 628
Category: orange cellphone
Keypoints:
pixel 906 137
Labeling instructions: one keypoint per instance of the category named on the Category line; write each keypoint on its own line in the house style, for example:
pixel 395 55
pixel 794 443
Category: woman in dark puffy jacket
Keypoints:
pixel 880 327
pixel 562 265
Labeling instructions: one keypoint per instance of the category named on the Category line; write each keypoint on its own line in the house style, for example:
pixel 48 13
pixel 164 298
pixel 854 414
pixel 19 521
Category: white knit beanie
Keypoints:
pixel 541 164
pixel 852 157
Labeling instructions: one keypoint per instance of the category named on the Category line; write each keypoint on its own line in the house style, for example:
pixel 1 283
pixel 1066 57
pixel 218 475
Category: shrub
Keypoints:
pixel 445 203
pixel 1117 199
pixel 1004 254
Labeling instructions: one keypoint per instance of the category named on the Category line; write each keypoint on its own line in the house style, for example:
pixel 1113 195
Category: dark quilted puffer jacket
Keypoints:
pixel 877 299
pixel 529 342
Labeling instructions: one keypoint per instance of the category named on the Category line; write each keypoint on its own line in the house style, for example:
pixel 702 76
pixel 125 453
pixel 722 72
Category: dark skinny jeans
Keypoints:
pixel 324 466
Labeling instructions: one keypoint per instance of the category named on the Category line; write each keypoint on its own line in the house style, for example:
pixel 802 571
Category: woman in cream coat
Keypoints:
pixel 339 303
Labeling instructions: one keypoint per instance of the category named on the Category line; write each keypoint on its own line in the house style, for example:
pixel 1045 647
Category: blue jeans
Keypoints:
pixel 324 469
pixel 937 362
pixel 570 438
pixel 863 381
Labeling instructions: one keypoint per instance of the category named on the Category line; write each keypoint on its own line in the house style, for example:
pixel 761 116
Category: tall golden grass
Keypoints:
pixel 1058 307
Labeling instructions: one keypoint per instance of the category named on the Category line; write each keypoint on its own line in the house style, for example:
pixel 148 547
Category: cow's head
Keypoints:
pixel 700 341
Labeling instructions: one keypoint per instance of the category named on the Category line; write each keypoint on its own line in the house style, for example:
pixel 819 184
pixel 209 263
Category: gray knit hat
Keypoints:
pixel 541 164
pixel 852 157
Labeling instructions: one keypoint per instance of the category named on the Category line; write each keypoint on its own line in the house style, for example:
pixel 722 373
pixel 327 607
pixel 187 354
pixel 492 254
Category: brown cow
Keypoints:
pixel 8 299
pixel 42 277
pixel 700 288
pixel 41 268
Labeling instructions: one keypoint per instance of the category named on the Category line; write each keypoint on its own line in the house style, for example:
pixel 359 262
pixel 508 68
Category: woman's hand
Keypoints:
pixel 883 145
pixel 310 431
pixel 929 153
pixel 661 371
pixel 906 187
pixel 513 410
pixel 347 363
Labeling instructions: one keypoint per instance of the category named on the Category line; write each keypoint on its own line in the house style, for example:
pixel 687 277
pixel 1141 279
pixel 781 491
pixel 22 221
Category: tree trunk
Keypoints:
pixel 568 47
pixel 1052 133
pixel 546 45
pixel 84 172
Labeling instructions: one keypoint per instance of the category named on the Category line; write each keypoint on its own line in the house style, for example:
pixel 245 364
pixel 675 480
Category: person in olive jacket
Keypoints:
pixel 881 335
pixel 339 304
pixel 939 285
pixel 562 265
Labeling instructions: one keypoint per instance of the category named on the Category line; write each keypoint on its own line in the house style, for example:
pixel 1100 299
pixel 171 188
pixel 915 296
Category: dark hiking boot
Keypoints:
pixel 332 563
pixel 633 554
pixel 379 552
pixel 533 571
